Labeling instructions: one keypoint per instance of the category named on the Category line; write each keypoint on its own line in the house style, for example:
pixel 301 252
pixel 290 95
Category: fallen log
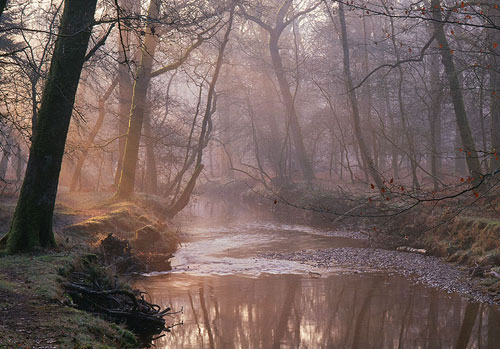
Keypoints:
pixel 411 250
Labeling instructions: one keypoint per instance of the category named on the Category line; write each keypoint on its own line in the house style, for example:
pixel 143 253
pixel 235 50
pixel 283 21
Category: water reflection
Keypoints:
pixel 234 299
pixel 339 311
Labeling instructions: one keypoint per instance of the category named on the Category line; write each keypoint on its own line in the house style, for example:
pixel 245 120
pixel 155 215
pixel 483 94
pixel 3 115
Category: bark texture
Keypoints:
pixel 31 226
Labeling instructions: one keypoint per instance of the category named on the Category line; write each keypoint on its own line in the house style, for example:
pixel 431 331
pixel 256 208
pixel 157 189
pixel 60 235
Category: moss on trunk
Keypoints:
pixel 31 226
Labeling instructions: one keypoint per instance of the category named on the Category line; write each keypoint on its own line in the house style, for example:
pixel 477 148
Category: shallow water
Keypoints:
pixel 232 298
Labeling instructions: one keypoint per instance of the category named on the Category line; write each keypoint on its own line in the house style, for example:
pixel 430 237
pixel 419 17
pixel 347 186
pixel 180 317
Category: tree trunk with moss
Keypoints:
pixel 124 82
pixel 31 226
pixel 139 101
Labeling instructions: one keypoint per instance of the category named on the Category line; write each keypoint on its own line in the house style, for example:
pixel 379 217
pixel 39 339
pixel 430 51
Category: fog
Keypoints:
pixel 290 100
pixel 290 172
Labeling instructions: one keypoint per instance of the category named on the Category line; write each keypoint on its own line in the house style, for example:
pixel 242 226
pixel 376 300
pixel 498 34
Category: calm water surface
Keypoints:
pixel 232 298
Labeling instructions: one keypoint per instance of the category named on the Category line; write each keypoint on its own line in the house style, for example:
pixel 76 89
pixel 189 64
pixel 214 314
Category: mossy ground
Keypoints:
pixel 32 310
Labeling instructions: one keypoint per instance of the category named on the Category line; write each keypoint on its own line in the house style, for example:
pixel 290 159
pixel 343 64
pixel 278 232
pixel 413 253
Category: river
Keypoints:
pixel 233 296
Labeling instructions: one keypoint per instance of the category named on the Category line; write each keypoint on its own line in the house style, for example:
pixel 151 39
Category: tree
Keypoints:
pixel 31 226
pixel 139 99
pixel 456 92
pixel 275 32
pixel 138 108
pixel 365 154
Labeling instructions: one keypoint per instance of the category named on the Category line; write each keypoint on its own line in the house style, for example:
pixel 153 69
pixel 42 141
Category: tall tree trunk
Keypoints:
pixel 124 87
pixel 288 99
pixel 402 111
pixel 366 102
pixel 456 92
pixel 394 134
pixel 139 100
pixel 494 37
pixel 31 226
pixel 365 154
pixel 435 120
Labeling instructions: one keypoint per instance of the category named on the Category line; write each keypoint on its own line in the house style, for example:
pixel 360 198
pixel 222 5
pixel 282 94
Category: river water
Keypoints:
pixel 232 297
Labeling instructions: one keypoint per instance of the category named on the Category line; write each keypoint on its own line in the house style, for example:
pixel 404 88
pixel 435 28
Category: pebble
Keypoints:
pixel 427 270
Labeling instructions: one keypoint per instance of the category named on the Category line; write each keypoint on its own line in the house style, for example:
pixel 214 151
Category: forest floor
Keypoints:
pixel 35 312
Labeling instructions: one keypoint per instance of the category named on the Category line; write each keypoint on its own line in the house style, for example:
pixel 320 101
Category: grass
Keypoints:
pixel 468 240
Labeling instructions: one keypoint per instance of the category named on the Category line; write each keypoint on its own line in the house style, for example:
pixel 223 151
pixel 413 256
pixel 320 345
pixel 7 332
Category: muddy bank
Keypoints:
pixel 428 270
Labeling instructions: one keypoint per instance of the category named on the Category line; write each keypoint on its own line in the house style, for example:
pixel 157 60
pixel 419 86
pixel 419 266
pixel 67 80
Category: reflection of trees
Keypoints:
pixel 340 311
pixel 406 318
pixel 493 328
pixel 468 322
pixel 206 319
pixel 292 286
pixel 195 317
pixel 365 306
pixel 432 340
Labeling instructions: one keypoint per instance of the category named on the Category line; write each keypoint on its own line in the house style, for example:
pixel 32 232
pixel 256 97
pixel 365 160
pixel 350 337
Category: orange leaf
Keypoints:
pixel 452 32
pixel 476 195
pixel 460 150
pixel 392 180
pixel 382 190
pixel 461 179
pixel 371 185
pixel 495 45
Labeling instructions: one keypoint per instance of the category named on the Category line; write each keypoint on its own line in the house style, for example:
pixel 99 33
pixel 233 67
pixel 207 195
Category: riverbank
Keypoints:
pixel 459 236
pixel 35 310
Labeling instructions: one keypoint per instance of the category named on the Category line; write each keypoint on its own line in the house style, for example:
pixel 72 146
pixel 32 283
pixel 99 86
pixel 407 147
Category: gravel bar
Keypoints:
pixel 427 270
